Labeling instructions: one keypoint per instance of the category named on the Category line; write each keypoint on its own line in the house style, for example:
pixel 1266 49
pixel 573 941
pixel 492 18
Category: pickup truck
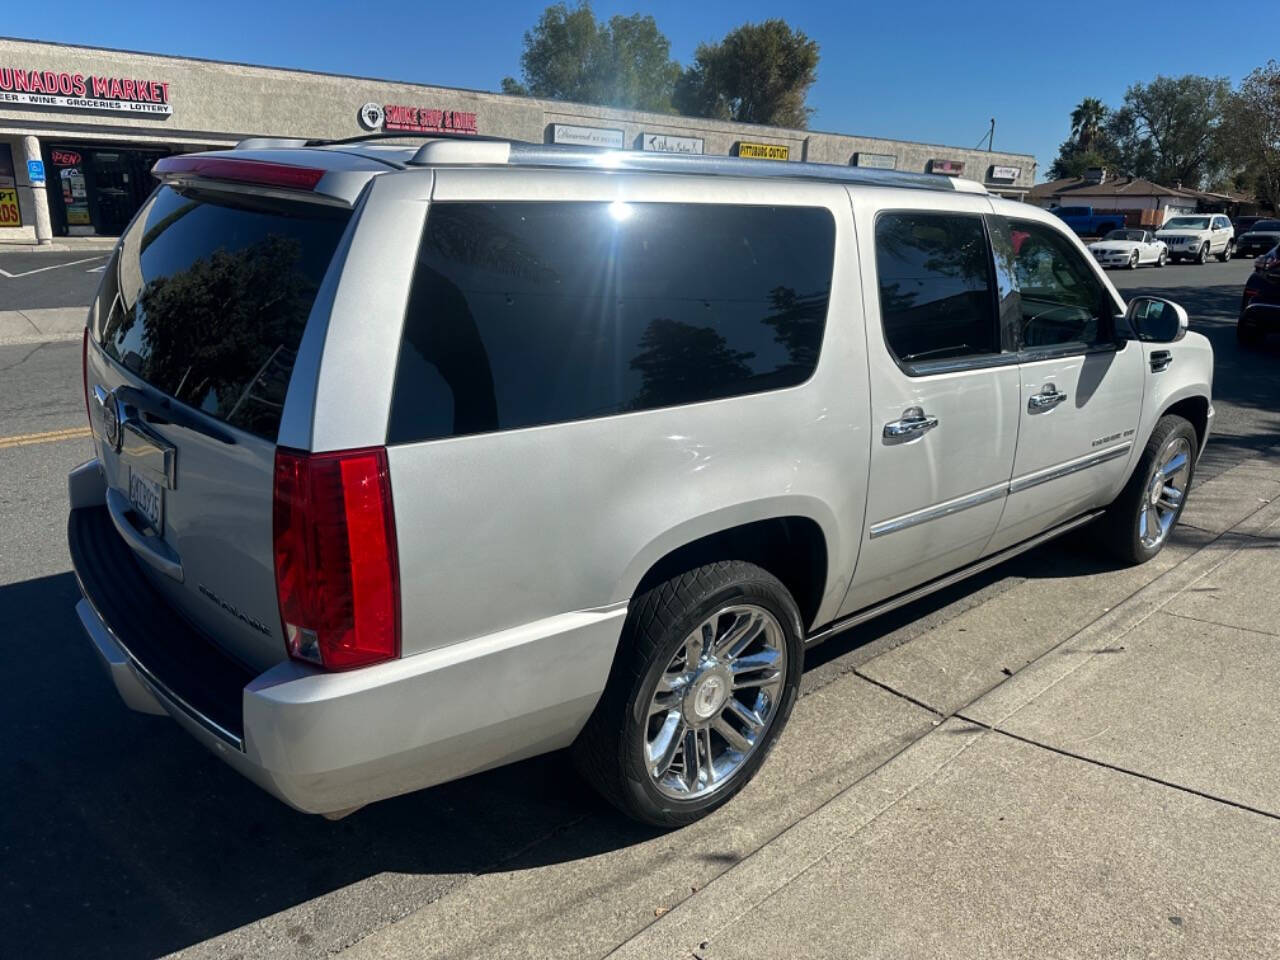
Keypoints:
pixel 1085 223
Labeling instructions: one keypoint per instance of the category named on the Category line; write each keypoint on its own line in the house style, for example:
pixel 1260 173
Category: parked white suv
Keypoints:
pixel 412 462
pixel 1199 237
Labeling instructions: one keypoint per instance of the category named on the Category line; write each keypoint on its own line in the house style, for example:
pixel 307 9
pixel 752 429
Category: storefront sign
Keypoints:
pixel 586 136
pixel 764 151
pixel 371 116
pixel 65 158
pixel 665 143
pixel 1005 173
pixel 76 91
pixel 35 172
pixel 427 120
pixel 10 212
pixel 952 168
pixel 881 161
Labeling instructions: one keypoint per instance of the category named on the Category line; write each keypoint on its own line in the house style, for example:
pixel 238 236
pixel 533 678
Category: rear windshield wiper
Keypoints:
pixel 160 409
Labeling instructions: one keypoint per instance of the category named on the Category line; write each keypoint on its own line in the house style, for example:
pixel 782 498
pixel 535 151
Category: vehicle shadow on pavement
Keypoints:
pixel 121 836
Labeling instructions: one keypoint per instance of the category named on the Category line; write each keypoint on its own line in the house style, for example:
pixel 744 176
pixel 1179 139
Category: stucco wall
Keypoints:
pixel 218 103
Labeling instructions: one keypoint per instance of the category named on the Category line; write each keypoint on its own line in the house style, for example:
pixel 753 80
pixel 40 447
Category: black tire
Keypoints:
pixel 1248 335
pixel 1133 260
pixel 1162 259
pixel 1118 527
pixel 1228 252
pixel 1203 256
pixel 609 752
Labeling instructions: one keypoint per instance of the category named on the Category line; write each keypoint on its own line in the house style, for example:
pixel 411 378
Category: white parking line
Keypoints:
pixel 56 266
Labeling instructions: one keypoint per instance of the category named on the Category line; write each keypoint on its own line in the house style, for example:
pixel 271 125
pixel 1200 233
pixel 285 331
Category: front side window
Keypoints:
pixel 1062 300
pixel 937 299
pixel 523 314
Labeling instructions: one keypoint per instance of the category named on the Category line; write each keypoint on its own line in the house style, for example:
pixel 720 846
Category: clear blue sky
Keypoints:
pixel 914 70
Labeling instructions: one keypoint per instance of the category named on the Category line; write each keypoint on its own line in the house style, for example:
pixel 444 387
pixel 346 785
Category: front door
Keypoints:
pixel 944 390
pixel 1082 388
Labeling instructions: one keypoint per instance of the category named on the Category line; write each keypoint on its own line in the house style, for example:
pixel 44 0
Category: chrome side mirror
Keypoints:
pixel 1156 320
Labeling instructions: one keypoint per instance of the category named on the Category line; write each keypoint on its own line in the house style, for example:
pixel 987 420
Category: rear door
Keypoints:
pixel 1082 388
pixel 198 325
pixel 944 388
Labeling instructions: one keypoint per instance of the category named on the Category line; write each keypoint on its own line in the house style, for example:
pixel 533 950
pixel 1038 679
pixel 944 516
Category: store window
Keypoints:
pixel 96 188
pixel 10 212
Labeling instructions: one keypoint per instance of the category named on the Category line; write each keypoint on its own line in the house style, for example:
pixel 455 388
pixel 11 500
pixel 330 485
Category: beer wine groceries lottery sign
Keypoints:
pixel 78 91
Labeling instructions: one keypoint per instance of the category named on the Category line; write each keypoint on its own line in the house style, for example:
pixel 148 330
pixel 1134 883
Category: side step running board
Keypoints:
pixel 986 563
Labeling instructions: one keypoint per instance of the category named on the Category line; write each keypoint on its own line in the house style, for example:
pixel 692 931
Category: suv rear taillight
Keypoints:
pixel 337 575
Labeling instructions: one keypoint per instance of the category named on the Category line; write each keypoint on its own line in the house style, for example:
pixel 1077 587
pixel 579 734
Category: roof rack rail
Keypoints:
pixel 523 154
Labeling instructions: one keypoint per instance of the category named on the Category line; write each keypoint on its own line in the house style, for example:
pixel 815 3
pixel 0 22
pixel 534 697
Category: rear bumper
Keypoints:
pixel 1264 316
pixel 327 742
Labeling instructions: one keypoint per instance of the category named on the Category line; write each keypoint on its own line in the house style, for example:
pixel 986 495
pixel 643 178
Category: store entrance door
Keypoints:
pixel 97 189
pixel 120 182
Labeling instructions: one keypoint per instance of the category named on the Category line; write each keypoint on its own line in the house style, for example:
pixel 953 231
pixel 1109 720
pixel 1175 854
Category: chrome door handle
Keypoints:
pixel 1046 399
pixel 914 420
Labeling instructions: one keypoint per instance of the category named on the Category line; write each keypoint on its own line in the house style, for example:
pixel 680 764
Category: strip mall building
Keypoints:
pixel 80 128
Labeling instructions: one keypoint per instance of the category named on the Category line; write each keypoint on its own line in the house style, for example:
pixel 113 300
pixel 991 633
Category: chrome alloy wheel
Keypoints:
pixel 715 701
pixel 1165 493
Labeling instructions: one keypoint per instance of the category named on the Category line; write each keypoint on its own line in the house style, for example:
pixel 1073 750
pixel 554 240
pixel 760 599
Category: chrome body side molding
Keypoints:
pixel 939 510
pixel 1071 466
pixel 1016 485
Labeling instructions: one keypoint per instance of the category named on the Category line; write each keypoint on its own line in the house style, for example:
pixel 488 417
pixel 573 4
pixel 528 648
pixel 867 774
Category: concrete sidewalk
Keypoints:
pixel 1082 765
pixel 45 325
pixel 1118 796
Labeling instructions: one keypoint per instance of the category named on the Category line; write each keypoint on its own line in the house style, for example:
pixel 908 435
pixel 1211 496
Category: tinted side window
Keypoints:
pixel 533 313
pixel 1062 300
pixel 936 289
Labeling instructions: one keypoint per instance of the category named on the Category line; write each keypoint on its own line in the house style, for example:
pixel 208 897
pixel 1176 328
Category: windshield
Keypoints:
pixel 214 294
pixel 1187 223
pixel 1125 235
pixel 1267 226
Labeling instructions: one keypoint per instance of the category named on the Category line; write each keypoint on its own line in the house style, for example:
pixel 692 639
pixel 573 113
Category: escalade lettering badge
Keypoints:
pixel 243 617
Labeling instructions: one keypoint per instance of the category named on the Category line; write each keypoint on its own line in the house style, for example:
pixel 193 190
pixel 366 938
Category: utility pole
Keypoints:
pixel 991 137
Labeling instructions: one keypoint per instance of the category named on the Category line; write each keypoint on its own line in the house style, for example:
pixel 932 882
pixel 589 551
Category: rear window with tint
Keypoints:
pixel 214 294
pixel 533 313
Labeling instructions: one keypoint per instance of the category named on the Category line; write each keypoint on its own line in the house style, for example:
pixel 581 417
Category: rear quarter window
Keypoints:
pixel 214 293
pixel 523 314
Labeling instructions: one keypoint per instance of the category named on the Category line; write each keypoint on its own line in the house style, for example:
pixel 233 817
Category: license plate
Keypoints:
pixel 147 498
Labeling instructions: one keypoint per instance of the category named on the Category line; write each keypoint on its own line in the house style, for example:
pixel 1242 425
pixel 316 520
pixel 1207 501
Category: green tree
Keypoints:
pixel 759 73
pixel 1086 122
pixel 570 55
pixel 1092 142
pixel 1251 132
pixel 1179 118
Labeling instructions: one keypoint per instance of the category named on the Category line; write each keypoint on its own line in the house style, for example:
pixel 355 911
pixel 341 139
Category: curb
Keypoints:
pixel 89 243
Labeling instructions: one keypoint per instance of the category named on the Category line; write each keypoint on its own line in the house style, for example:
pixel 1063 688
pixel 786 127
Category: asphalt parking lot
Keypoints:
pixel 120 837
pixel 42 280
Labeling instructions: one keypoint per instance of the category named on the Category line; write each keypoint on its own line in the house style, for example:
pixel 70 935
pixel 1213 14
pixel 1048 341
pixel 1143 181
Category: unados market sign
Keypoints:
pixel 76 91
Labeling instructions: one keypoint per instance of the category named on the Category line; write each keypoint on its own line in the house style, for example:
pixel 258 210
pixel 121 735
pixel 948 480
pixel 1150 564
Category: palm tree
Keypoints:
pixel 1086 121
